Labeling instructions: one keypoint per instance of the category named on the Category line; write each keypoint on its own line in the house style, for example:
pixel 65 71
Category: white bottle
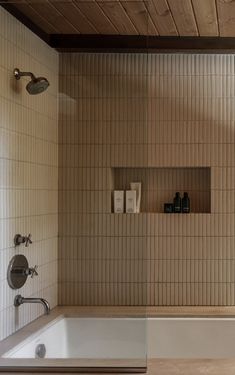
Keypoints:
pixel 118 201
pixel 130 201
pixel 137 187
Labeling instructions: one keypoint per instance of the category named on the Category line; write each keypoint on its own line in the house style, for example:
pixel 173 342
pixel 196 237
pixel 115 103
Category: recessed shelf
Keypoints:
pixel 163 214
pixel 160 184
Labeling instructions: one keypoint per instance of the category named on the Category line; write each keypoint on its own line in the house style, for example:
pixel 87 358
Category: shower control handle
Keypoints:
pixel 18 271
pixel 32 271
pixel 28 240
pixel 19 239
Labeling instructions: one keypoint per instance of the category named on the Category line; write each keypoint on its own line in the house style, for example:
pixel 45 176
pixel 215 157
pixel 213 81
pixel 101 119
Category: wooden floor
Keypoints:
pixel 191 367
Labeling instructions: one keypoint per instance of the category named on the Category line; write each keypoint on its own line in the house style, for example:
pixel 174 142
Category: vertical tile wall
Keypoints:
pixel 145 111
pixel 101 260
pixel 28 170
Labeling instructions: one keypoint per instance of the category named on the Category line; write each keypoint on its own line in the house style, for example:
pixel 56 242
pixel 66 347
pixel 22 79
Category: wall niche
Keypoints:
pixel 159 186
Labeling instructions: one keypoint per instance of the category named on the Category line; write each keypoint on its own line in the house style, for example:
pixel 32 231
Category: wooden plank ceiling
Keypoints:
pixel 133 25
pixel 210 18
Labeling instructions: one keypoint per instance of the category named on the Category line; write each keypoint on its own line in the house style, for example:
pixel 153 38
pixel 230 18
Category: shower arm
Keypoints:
pixel 18 74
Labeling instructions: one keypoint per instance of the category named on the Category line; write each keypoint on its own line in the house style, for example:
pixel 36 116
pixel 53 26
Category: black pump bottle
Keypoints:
pixel 185 204
pixel 177 203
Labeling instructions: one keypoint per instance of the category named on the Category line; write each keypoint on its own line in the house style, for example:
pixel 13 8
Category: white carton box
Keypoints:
pixel 130 201
pixel 118 201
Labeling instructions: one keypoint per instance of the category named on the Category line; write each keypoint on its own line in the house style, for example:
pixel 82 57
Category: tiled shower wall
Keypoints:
pixel 127 110
pixel 28 170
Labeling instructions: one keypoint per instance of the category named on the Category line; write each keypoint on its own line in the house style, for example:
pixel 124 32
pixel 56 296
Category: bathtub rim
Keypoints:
pixel 199 312
pixel 60 312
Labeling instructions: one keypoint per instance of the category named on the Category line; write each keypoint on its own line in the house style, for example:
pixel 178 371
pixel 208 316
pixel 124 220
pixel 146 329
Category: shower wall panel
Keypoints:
pixel 28 170
pixel 102 255
pixel 145 111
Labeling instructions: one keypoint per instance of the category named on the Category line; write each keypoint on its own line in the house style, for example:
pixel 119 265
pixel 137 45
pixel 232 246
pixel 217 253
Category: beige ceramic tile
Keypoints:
pixel 28 169
pixel 171 111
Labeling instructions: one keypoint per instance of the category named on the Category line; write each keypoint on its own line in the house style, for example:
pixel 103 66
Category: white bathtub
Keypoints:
pixel 125 338
pixel 87 338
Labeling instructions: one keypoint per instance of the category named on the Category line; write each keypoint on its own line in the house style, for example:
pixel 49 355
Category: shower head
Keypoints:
pixel 36 85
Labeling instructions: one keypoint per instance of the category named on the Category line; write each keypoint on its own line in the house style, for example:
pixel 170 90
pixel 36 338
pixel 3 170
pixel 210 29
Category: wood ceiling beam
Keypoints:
pixel 139 43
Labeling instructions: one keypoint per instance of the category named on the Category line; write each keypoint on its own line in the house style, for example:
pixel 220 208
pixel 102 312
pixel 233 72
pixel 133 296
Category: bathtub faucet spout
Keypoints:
pixel 19 300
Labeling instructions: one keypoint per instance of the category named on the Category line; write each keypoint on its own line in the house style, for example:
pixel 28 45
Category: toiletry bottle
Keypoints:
pixel 137 187
pixel 118 201
pixel 130 201
pixel 185 203
pixel 177 203
pixel 168 208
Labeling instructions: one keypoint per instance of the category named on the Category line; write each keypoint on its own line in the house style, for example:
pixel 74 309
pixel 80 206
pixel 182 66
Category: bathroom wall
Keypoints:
pixel 100 262
pixel 28 170
pixel 127 110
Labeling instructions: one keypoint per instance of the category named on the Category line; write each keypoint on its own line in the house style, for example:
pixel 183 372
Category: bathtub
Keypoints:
pixel 90 338
pixel 77 342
